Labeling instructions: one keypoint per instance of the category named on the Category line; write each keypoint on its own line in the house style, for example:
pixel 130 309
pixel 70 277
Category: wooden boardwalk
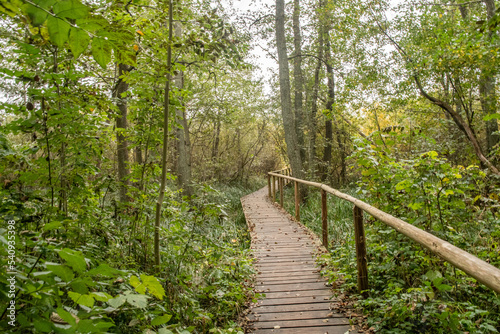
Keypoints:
pixel 296 297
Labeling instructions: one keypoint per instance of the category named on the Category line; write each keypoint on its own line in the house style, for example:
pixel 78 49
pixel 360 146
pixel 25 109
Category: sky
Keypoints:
pixel 265 63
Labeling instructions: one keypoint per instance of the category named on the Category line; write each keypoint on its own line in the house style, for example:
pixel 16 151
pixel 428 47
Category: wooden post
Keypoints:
pixel 324 218
pixel 274 188
pixel 281 181
pixel 297 201
pixel 269 185
pixel 359 232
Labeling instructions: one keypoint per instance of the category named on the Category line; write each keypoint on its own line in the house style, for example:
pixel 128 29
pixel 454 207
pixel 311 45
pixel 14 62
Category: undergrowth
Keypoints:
pixel 94 273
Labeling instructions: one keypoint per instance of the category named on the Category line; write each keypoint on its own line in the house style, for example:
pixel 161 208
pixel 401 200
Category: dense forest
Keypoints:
pixel 130 130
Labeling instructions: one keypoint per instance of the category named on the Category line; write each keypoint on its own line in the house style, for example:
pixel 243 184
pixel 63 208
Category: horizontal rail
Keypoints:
pixel 482 271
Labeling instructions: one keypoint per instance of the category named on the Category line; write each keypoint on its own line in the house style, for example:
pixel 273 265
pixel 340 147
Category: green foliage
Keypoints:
pixel 202 285
pixel 411 290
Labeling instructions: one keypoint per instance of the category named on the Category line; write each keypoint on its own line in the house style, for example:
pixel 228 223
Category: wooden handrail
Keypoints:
pixel 480 270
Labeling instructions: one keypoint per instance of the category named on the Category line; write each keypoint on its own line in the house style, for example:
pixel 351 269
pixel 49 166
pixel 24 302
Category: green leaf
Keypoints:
pixel 62 271
pixel 101 51
pixel 161 320
pixel 37 15
pixel 43 326
pixel 101 296
pixel 105 270
pixel 117 302
pixel 71 9
pixel 78 41
pixel 154 286
pixel 10 8
pixel 85 300
pixel 433 274
pixel 52 226
pixel 66 316
pixel 165 331
pixel 92 23
pixel 136 283
pixel 140 301
pixel 489 117
pixel 58 30
pixel 415 206
pixel 80 285
pixel 403 185
pixel 37 10
pixel 74 259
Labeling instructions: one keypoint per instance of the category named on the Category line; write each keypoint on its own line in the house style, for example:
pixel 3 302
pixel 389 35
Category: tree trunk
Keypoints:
pixel 327 153
pixel 298 78
pixel 487 92
pixel 293 148
pixel 166 114
pixel 122 126
pixel 314 106
pixel 183 143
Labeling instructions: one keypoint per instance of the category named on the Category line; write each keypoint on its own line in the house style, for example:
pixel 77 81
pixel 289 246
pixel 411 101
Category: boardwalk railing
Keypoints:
pixel 470 264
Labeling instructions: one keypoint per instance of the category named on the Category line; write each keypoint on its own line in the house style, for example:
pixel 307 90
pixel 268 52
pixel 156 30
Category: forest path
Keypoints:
pixel 297 299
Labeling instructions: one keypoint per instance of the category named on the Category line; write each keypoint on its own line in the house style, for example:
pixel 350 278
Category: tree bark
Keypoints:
pixel 327 152
pixel 298 78
pixel 293 148
pixel 314 105
pixel 121 126
pixel 487 92
pixel 166 114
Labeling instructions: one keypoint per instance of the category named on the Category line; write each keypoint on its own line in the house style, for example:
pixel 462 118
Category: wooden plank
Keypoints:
pixel 291 287
pixel 323 305
pixel 270 258
pixel 285 272
pixel 301 323
pixel 294 300
pixel 297 315
pixel 306 330
pixel 318 293
pixel 296 278
pixel 294 264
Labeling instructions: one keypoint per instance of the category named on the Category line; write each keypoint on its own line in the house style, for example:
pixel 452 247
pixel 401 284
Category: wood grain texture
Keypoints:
pixel 296 298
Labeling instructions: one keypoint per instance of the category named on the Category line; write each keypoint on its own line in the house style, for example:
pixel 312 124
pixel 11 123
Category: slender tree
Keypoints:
pixel 298 78
pixel 166 114
pixel 120 90
pixel 293 147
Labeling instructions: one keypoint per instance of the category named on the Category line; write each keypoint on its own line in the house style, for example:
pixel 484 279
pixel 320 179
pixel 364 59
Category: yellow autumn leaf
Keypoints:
pixel 136 47
pixel 140 32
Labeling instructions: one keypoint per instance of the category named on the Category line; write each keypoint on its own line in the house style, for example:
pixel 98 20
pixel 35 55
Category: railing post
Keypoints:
pixel 281 190
pixel 269 185
pixel 359 232
pixel 297 201
pixel 324 218
pixel 274 188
